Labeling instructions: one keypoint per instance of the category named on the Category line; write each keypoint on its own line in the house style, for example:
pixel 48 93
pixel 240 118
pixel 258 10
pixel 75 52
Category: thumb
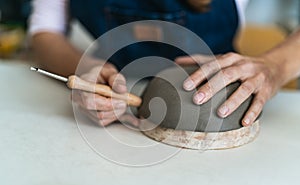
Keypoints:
pixel 114 79
pixel 118 83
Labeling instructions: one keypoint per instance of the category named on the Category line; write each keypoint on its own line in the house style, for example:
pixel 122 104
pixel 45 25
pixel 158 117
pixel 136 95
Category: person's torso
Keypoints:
pixel 216 28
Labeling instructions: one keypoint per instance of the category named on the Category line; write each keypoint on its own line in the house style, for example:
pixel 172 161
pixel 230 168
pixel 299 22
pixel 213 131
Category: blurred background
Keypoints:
pixel 14 12
pixel 268 22
pixel 13 24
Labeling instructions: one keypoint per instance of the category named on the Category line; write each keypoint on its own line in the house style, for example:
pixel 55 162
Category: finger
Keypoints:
pixel 208 69
pixel 75 96
pixel 110 115
pixel 237 98
pixel 128 118
pixel 194 59
pixel 114 79
pixel 254 110
pixel 92 115
pixel 103 72
pixel 89 77
pixel 94 75
pixel 106 122
pixel 118 83
pixel 215 84
pixel 200 75
pixel 93 101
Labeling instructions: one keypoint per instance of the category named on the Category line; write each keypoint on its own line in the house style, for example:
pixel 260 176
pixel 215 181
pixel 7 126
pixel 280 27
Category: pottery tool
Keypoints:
pixel 75 82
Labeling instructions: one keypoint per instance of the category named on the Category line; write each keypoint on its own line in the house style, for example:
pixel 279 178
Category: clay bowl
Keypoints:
pixel 166 104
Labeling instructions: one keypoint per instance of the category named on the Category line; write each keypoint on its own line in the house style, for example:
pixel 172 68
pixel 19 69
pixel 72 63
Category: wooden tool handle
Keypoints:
pixel 75 82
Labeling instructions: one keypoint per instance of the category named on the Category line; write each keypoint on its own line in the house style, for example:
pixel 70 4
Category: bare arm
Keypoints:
pixel 55 53
pixel 287 57
pixel 261 76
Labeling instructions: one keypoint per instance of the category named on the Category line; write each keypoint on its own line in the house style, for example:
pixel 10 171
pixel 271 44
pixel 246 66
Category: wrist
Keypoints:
pixel 277 69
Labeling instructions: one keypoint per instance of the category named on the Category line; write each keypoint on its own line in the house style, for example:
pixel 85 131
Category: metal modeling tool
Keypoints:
pixel 75 82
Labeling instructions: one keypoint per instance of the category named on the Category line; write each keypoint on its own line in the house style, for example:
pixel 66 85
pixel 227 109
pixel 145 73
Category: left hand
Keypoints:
pixel 258 76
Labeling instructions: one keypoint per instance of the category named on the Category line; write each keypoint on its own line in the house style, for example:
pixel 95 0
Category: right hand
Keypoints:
pixel 100 109
pixel 258 76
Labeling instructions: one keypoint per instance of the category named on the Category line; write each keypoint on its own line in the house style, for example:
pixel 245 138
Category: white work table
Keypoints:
pixel 40 143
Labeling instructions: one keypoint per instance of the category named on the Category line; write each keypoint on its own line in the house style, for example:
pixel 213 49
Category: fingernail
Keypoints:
pixel 223 111
pixel 136 123
pixel 120 82
pixel 100 123
pixel 188 85
pixel 199 97
pixel 120 86
pixel 246 122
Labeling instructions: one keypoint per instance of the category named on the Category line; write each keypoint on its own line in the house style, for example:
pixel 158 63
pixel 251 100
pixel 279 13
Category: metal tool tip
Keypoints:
pixel 52 75
pixel 33 68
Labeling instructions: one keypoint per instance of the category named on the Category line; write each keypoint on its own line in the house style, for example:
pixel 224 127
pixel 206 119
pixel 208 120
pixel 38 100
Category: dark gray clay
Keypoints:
pixel 179 112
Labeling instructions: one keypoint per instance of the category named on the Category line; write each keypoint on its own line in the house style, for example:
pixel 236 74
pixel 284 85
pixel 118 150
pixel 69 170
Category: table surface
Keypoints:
pixel 40 143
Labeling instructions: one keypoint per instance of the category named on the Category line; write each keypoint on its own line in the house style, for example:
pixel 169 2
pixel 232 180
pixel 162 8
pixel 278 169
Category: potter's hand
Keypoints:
pixel 101 109
pixel 257 76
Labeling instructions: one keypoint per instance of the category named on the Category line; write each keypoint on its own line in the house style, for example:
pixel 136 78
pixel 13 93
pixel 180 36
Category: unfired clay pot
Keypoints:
pixel 166 103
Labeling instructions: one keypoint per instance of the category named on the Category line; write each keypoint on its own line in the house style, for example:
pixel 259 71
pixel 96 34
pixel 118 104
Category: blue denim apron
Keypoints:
pixel 216 27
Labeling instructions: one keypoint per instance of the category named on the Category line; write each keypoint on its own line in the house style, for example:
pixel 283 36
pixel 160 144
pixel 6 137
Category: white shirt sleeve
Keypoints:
pixel 49 16
pixel 241 8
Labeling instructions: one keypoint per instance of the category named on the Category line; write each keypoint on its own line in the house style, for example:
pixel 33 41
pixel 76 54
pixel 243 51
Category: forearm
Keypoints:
pixel 286 58
pixel 55 53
